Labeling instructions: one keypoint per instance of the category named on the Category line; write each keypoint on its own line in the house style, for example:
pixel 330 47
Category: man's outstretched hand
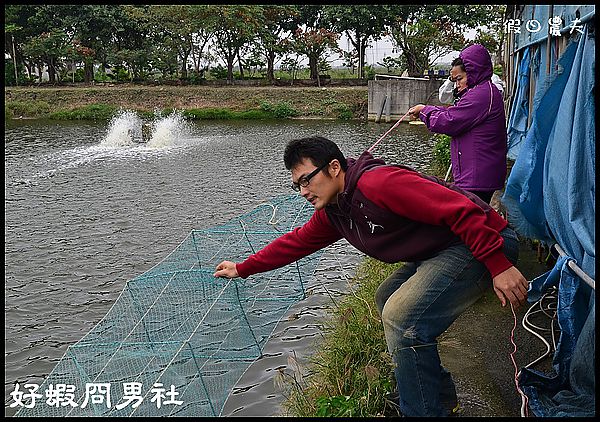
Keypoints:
pixel 226 269
pixel 510 284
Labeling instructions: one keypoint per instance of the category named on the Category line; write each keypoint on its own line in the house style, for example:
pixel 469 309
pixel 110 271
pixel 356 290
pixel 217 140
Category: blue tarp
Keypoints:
pixel 568 13
pixel 550 196
pixel 519 113
pixel 533 67
pixel 524 191
pixel 571 390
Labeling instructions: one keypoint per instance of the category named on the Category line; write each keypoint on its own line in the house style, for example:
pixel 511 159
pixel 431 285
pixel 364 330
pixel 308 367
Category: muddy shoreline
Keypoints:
pixel 476 350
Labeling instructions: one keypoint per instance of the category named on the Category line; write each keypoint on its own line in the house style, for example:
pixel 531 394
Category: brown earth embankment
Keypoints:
pixel 327 102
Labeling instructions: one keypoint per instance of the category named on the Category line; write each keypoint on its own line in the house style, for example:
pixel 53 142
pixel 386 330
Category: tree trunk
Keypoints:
pixel 51 71
pixel 313 65
pixel 197 68
pixel 412 64
pixel 361 59
pixel 184 73
pixel 356 46
pixel 88 72
pixel 271 67
pixel 237 53
pixel 230 59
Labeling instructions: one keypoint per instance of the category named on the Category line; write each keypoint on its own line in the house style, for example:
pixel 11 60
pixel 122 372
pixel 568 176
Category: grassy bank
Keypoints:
pixel 197 102
pixel 351 371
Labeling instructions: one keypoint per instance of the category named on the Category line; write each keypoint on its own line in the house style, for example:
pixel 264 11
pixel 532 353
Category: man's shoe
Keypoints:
pixel 454 411
pixel 391 407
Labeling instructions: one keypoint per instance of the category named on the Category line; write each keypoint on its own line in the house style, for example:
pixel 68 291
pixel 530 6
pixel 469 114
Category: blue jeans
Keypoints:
pixel 417 303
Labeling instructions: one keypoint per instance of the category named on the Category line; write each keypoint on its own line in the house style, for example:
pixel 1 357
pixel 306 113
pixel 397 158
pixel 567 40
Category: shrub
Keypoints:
pixel 9 74
pixel 121 74
pixel 344 112
pixel 441 154
pixel 218 72
pixel 99 77
pixel 79 75
pixel 280 110
pixel 369 72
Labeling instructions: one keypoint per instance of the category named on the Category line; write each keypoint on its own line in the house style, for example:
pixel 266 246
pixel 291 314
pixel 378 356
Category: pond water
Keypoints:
pixel 86 210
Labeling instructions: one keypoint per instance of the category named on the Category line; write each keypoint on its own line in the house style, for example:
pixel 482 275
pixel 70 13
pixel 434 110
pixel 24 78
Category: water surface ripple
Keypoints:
pixel 83 217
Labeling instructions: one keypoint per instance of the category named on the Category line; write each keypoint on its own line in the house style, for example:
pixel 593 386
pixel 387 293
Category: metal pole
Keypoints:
pixel 448 173
pixel 576 269
pixel 15 61
pixel 361 62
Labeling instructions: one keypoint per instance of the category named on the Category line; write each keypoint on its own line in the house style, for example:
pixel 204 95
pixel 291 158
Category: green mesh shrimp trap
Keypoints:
pixel 177 339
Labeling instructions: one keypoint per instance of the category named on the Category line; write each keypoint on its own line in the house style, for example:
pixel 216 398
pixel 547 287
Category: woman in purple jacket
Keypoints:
pixel 476 123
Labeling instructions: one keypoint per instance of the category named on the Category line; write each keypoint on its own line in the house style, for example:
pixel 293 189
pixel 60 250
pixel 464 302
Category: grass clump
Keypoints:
pixel 88 112
pixel 343 111
pixel 226 114
pixel 352 371
pixel 441 154
pixel 26 109
pixel 280 110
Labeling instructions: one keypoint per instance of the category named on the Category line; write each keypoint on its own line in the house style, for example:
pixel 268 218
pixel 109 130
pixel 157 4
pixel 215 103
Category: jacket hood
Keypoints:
pixel 478 64
pixel 356 167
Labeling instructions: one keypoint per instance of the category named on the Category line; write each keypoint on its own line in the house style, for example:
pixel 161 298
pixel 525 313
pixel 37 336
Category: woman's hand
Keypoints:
pixel 415 110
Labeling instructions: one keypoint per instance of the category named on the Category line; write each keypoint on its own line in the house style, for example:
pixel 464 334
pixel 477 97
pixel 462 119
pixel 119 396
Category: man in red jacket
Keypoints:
pixel 454 245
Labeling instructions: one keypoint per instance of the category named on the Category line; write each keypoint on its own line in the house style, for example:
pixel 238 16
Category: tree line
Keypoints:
pixel 185 41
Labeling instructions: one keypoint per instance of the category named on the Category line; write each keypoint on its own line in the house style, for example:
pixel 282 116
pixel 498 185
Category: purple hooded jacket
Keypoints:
pixel 477 125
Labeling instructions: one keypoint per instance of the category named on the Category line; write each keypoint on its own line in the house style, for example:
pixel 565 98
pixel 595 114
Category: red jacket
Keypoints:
pixel 392 213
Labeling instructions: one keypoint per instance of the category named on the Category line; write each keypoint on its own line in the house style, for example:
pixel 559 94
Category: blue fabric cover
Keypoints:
pixel 550 196
pixel 519 113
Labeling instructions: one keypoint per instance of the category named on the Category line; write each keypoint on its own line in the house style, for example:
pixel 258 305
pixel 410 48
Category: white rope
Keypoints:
pixel 386 133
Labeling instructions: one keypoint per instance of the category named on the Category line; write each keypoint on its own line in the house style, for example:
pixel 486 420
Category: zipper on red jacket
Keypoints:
pixel 358 233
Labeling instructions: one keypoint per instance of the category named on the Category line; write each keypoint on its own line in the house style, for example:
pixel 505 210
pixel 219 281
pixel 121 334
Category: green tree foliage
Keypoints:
pixel 492 34
pixel 177 26
pixel 235 26
pixel 392 63
pixel 169 40
pixel 313 43
pixel 426 32
pixel 275 21
pixel 47 48
pixel 361 24
pixel 312 36
pixel 92 27
pixel 18 31
pixel 134 43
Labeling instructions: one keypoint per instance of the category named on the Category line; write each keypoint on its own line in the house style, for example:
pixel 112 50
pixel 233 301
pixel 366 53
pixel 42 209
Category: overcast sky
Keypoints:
pixel 384 47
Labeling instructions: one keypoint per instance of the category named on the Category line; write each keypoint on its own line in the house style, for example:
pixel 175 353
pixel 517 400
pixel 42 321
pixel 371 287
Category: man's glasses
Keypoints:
pixel 305 180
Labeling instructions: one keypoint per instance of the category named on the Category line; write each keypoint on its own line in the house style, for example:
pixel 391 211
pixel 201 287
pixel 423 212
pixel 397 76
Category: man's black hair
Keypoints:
pixel 458 62
pixel 317 149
